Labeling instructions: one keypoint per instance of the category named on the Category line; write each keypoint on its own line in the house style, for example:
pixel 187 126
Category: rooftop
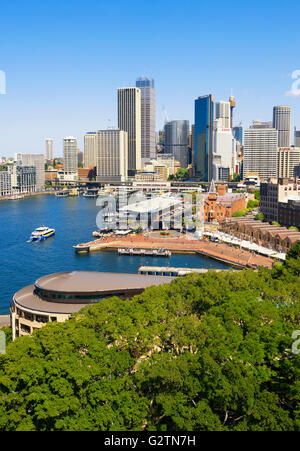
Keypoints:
pixel 91 282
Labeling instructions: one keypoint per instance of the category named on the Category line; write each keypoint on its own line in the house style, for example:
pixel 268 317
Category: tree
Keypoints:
pixel 259 217
pixel 204 353
pixel 182 174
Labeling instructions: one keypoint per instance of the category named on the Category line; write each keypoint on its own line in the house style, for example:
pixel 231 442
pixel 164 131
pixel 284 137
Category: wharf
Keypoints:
pixel 233 256
pixel 172 272
pixel 145 252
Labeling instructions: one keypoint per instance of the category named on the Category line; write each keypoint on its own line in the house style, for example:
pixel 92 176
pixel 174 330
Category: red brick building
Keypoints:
pixel 218 204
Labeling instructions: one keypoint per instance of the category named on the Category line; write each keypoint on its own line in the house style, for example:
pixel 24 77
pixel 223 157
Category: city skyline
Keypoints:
pixel 46 97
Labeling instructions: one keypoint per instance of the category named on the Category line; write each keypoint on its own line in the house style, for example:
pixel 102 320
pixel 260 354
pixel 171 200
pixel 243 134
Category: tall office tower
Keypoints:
pixel 238 134
pixel 288 160
pixel 90 150
pixel 37 161
pixel 282 123
pixel 148 118
pixel 260 152
pixel 49 149
pixel 223 147
pixel 224 114
pixel 204 124
pixel 70 155
pixel 176 141
pixel 297 138
pixel 112 155
pixel 129 120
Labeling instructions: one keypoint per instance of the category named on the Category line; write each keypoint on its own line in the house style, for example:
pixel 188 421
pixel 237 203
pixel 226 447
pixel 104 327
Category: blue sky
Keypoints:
pixel 64 61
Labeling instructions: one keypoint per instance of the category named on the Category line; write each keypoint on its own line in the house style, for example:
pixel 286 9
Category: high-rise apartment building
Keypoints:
pixel 204 124
pixel 24 179
pixel 70 155
pixel 282 123
pixel 5 182
pixel 148 118
pixel 37 161
pixel 129 120
pixel 260 152
pixel 90 150
pixel 49 149
pixel 176 141
pixel 112 155
pixel 288 160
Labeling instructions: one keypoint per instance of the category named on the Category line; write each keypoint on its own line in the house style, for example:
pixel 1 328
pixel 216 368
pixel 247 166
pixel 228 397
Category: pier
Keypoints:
pixel 145 252
pixel 168 271
pixel 181 244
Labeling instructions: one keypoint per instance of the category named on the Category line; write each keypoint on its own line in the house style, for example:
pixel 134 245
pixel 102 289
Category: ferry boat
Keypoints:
pixel 92 193
pixel 42 233
pixel 64 193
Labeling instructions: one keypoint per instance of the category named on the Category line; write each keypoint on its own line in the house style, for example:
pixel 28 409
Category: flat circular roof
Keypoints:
pixel 93 282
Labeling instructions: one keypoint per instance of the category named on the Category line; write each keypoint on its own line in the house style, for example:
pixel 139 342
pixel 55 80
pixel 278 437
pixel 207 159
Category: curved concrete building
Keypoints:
pixel 55 297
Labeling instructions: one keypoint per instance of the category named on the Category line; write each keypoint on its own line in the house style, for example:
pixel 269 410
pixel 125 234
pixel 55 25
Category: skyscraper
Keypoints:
pixel 176 141
pixel 70 155
pixel 148 120
pixel 49 149
pixel 297 138
pixel 129 120
pixel 282 123
pixel 223 113
pixel 112 155
pixel 90 150
pixel 261 152
pixel 204 124
pixel 238 134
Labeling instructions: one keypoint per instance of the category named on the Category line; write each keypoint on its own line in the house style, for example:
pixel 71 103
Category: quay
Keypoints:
pixel 231 255
pixel 168 271
pixel 145 252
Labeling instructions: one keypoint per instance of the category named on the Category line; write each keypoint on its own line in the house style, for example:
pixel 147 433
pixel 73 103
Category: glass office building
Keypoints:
pixel 203 152
pixel 238 134
pixel 176 141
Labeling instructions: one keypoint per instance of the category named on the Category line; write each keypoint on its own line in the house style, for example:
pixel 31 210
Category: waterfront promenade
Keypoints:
pixel 181 244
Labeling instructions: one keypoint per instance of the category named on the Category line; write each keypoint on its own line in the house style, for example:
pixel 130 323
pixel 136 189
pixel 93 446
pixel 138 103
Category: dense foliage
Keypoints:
pixel 205 353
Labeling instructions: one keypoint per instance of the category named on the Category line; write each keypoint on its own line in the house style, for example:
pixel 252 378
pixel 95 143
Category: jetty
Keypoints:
pixel 145 252
pixel 168 271
pixel 223 252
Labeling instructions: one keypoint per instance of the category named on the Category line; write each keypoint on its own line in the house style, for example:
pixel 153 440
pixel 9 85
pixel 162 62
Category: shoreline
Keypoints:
pixel 222 252
pixel 27 195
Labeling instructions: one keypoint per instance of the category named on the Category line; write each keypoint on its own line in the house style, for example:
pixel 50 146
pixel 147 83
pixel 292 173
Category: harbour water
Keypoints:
pixel 74 219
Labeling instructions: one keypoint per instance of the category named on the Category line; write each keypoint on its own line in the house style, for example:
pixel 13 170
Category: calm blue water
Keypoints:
pixel 74 219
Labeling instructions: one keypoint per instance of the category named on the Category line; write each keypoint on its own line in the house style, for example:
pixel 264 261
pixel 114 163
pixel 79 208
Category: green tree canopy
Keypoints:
pixel 207 352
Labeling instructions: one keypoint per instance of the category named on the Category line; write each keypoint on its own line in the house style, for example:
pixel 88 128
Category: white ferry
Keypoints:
pixel 42 233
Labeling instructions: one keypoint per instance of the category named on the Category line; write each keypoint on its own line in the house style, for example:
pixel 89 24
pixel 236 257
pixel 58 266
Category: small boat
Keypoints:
pixel 42 233
pixel 64 193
